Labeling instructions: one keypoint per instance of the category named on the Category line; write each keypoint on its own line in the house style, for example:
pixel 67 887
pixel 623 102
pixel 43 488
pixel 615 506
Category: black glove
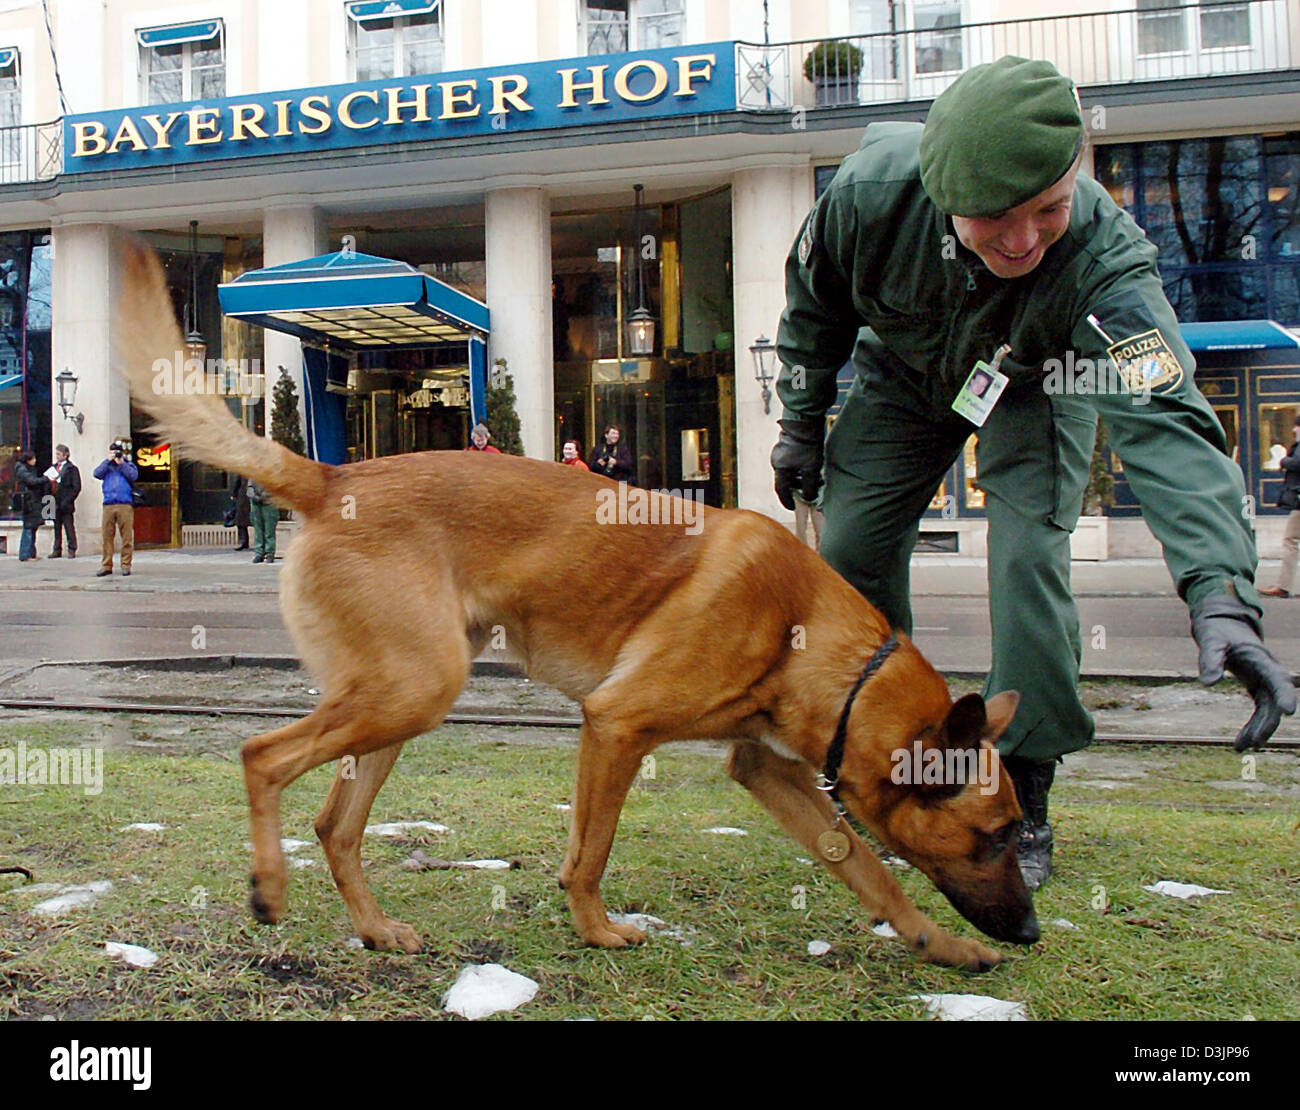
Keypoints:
pixel 1227 631
pixel 797 458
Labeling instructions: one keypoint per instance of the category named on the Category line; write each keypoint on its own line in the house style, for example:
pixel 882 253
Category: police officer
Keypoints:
pixel 973 246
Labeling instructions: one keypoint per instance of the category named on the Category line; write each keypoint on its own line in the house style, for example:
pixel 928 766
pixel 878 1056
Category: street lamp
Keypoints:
pixel 764 352
pixel 67 381
pixel 195 347
pixel 640 324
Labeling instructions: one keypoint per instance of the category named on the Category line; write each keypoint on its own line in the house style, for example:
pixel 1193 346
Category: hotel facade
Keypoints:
pixel 294 161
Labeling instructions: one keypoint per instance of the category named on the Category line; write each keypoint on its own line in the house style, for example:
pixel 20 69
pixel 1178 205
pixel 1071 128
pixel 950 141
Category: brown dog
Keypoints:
pixel 405 565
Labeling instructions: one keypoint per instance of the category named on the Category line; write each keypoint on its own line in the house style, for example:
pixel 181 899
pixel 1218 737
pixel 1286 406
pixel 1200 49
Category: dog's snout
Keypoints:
pixel 1028 931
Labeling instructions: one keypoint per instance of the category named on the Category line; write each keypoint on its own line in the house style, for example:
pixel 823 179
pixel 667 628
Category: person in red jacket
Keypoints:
pixel 479 437
pixel 571 455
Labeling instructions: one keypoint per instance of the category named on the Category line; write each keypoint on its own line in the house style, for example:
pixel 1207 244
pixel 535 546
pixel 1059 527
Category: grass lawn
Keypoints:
pixel 748 906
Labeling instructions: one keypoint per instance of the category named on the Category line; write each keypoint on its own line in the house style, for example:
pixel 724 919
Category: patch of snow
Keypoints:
pixel 655 926
pixel 291 846
pixel 1182 890
pixel 299 863
pixel 1063 923
pixel 481 990
pixel 355 942
pixel 73 897
pixel 482 864
pixel 563 807
pixel 144 826
pixel 401 828
pixel 131 954
pixel 726 830
pixel 972 1007
pixel 818 947
pixel 884 929
pixel 895 861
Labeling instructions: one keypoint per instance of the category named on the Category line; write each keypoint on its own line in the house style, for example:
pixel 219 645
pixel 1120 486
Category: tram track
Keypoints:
pixel 494 716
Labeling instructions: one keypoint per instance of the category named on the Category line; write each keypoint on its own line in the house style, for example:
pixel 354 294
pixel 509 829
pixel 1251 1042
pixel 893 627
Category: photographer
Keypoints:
pixel 119 474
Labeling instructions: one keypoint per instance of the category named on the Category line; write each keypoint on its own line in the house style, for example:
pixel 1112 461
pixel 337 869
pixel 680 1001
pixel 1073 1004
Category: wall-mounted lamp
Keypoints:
pixel 67 381
pixel 640 324
pixel 764 352
pixel 195 347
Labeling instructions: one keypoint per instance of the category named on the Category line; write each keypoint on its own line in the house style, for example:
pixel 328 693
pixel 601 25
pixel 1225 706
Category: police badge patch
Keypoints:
pixel 1146 362
pixel 806 242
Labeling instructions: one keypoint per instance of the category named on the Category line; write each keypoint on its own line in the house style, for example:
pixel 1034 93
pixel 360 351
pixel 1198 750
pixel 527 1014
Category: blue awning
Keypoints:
pixel 10 380
pixel 8 56
pixel 1237 335
pixel 178 33
pixel 355 302
pixel 363 10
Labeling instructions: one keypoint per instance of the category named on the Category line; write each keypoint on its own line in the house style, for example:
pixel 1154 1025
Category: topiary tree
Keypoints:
pixel 286 425
pixel 502 419
pixel 1100 490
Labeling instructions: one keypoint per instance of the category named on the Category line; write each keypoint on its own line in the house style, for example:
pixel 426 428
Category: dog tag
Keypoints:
pixel 834 846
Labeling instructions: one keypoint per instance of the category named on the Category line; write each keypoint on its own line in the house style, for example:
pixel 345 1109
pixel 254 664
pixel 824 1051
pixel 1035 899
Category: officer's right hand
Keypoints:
pixel 797 459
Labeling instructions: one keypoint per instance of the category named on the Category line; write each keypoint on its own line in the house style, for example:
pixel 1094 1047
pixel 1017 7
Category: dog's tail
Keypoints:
pixel 150 354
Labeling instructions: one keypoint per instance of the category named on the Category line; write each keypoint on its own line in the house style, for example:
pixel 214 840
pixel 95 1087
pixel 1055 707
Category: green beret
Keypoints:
pixel 999 135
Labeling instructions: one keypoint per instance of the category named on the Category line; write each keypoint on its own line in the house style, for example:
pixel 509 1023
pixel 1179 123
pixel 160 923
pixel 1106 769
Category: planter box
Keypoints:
pixel 1091 539
pixel 833 93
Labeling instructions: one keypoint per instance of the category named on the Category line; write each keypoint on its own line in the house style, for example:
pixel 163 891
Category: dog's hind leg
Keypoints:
pixel 787 790
pixel 340 826
pixel 354 722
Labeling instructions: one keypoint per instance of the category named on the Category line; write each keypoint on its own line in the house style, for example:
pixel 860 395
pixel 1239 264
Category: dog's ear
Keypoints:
pixel 999 710
pixel 966 723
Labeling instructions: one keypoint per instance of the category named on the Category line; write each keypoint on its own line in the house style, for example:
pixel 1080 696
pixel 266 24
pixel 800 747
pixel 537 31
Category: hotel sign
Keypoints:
pixel 607 88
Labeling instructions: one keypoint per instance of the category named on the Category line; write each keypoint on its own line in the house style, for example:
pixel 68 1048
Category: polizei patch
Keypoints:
pixel 1147 362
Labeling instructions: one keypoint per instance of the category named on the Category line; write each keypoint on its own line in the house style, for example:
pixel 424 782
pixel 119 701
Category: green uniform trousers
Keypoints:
pixel 264 518
pixel 886 456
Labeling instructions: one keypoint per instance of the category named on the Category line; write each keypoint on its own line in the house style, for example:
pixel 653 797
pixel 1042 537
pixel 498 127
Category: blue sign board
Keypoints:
pixel 606 88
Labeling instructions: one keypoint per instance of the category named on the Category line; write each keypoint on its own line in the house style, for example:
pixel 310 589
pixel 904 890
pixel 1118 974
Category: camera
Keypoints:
pixel 117 448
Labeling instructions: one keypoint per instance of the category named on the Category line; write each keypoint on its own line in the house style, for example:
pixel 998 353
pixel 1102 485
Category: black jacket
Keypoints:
pixel 613 462
pixel 1290 496
pixel 33 485
pixel 69 486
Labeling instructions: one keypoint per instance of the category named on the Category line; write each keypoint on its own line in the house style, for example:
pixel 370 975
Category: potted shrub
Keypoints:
pixel 833 67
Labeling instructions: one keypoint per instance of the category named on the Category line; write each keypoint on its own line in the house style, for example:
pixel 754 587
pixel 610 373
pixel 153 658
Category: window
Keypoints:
pixel 616 26
pixel 395 38
pixel 11 115
pixel 1164 27
pixel 186 61
pixel 938 49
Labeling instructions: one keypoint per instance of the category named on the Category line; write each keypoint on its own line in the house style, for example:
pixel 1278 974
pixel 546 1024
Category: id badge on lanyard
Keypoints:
pixel 983 387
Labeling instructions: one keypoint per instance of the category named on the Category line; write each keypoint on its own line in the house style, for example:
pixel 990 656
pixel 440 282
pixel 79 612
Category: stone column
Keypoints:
pixel 518 262
pixel 85 283
pixel 768 205
pixel 290 233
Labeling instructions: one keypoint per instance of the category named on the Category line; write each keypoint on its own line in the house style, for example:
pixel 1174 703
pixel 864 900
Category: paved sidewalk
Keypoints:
pixel 222 570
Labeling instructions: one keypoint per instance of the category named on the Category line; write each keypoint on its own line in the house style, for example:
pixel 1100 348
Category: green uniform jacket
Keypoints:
pixel 877 263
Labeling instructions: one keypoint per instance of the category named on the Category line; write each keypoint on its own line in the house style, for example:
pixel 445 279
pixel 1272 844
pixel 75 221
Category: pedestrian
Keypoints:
pixel 29 499
pixel 1289 498
pixel 119 475
pixel 973 244
pixel 571 455
pixel 67 487
pixel 239 503
pixel 265 517
pixel 612 458
pixel 478 440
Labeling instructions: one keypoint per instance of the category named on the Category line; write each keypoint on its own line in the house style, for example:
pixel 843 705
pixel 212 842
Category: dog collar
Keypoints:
pixel 834 845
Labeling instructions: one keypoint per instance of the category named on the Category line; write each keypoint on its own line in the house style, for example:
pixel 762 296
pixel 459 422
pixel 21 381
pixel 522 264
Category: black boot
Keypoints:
pixel 1033 779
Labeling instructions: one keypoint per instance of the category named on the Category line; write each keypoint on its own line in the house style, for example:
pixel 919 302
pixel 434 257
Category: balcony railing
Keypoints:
pixel 1102 48
pixel 31 152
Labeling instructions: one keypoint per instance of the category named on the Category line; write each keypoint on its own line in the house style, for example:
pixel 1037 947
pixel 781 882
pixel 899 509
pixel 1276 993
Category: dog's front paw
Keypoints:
pixel 603 933
pixel 391 936
pixel 266 900
pixel 954 951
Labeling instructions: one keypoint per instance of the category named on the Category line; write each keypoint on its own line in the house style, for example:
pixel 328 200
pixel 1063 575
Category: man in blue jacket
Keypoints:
pixel 119 474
